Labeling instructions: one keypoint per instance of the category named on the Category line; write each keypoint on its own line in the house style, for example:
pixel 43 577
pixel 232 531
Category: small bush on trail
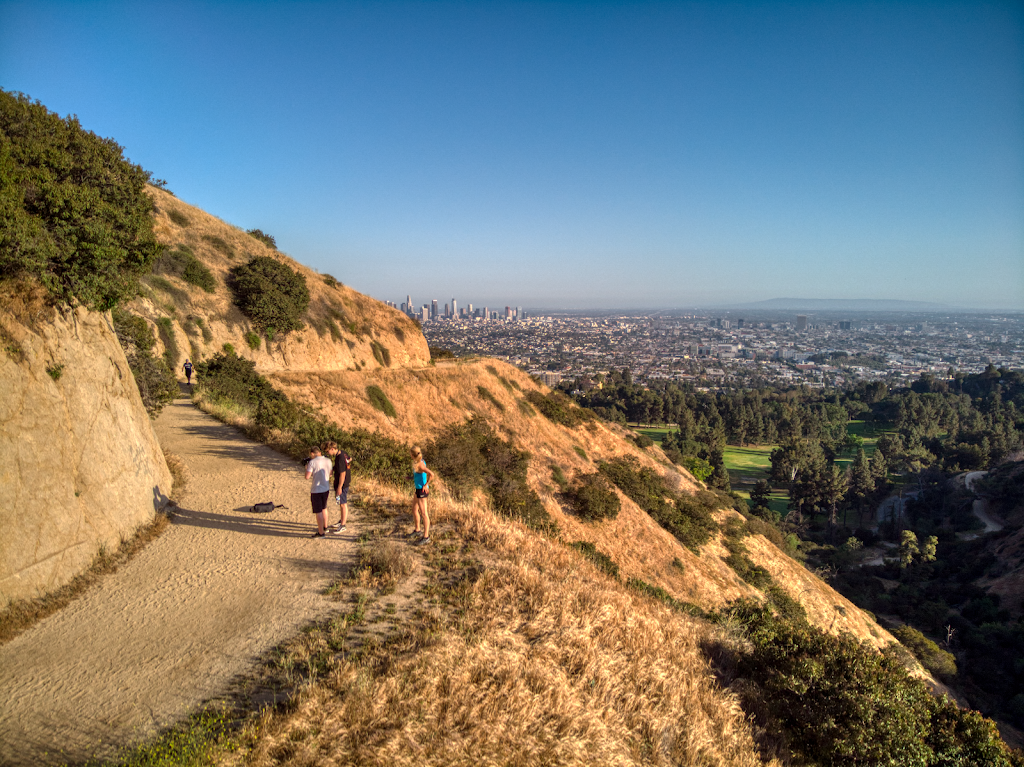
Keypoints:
pixel 271 294
pixel 263 237
pixel 234 378
pixel 603 561
pixel 470 455
pixel 592 498
pixel 380 401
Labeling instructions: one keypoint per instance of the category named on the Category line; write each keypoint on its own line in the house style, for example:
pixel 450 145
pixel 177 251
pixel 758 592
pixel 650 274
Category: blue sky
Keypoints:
pixel 572 154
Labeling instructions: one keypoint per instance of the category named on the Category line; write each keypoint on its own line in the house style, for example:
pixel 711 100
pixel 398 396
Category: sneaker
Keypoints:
pixel 318 534
pixel 338 529
pixel 415 534
pixel 423 541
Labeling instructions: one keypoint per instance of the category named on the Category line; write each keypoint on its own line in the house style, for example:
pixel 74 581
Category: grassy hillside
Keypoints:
pixel 189 304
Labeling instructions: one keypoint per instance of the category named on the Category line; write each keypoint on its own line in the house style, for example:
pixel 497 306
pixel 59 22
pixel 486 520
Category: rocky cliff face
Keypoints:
pixel 80 465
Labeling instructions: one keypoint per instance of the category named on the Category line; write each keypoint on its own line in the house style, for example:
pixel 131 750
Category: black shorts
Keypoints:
pixel 319 501
pixel 422 492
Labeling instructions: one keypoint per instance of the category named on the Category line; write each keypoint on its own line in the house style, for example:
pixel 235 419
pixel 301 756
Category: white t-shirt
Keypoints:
pixel 321 468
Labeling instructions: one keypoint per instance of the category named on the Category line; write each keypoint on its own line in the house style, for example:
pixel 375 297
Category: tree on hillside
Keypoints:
pixel 271 294
pixel 74 213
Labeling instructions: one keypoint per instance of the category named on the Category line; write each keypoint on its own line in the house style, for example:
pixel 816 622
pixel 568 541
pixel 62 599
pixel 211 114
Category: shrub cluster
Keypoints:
pixel 687 517
pixel 560 409
pixel 600 559
pixel 836 701
pixel 591 498
pixel 470 455
pixel 166 329
pixel 292 428
pixel 735 530
pixel 182 262
pixel 272 295
pixel 381 353
pixel 73 211
pixel 157 384
pixel 932 657
pixel 263 237
pixel 380 401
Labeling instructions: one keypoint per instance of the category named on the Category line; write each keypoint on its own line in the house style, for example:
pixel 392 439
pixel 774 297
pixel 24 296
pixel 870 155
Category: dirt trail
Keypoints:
pixel 174 627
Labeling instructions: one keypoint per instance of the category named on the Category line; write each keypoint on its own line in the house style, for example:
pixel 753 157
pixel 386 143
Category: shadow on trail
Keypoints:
pixel 223 441
pixel 247 525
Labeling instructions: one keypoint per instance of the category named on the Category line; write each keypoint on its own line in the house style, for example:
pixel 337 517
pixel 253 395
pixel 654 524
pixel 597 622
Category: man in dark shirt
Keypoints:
pixel 342 478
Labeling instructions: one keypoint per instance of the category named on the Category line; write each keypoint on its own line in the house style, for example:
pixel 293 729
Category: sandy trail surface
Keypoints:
pixel 185 617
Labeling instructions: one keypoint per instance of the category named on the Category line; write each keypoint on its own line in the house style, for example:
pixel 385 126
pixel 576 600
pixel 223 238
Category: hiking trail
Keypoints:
pixel 183 619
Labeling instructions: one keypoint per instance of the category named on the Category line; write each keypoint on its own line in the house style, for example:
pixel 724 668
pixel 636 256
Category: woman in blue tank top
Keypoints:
pixel 421 477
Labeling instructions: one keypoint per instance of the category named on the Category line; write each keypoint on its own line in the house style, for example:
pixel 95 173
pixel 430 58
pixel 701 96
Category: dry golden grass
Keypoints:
pixel 532 658
pixel 357 319
pixel 21 614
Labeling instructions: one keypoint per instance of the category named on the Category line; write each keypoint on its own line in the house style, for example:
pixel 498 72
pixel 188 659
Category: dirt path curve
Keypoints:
pixel 189 613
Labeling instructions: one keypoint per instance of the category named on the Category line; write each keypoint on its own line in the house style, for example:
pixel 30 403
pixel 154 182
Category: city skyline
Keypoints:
pixel 571 155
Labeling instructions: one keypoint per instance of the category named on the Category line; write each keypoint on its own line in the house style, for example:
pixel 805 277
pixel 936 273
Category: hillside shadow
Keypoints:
pixel 246 525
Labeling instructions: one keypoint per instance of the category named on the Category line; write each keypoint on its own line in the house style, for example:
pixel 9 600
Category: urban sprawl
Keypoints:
pixel 711 349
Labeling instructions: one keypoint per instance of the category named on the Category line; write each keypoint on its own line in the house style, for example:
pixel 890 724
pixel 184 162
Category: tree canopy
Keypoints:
pixel 73 211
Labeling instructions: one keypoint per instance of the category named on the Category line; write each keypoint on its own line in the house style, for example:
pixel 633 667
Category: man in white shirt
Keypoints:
pixel 318 468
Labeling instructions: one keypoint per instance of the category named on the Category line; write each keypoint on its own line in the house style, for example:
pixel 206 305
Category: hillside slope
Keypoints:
pixel 345 330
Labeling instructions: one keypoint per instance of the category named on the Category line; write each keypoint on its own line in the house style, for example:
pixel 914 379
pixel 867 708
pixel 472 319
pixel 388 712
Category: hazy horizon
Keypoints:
pixel 647 155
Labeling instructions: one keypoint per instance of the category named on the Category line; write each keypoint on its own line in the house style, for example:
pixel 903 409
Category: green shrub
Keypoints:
pixel 592 498
pixel 526 409
pixel 331 282
pixel 437 353
pixel 234 379
pixel 470 455
pixel 559 476
pixel 738 560
pixel 687 517
pixel 62 220
pixel 228 348
pixel 201 324
pixel 220 245
pixel 270 294
pixel 179 218
pixel 642 441
pixel 381 353
pixel 197 274
pixel 333 328
pixel 380 401
pixel 55 371
pixel 931 656
pixel 835 701
pixel 166 330
pixel 560 409
pixel 580 452
pixel 263 237
pixel 485 393
pixel 253 340
pixel 156 383
pixel 600 559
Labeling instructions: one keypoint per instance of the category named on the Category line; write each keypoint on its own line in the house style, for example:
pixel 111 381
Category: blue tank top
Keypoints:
pixel 420 478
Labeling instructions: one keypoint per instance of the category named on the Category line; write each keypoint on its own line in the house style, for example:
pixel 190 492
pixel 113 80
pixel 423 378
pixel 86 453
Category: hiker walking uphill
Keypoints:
pixel 188 371
pixel 342 479
pixel 318 468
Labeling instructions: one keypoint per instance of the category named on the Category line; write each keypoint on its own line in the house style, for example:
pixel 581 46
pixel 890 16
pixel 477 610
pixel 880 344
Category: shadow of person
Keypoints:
pixel 160 501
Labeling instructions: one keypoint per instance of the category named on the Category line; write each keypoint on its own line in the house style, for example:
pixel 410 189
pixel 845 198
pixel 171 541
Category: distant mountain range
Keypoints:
pixel 845 305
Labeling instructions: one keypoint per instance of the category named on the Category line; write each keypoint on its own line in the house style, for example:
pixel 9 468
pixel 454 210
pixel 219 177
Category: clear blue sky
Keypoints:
pixel 572 154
